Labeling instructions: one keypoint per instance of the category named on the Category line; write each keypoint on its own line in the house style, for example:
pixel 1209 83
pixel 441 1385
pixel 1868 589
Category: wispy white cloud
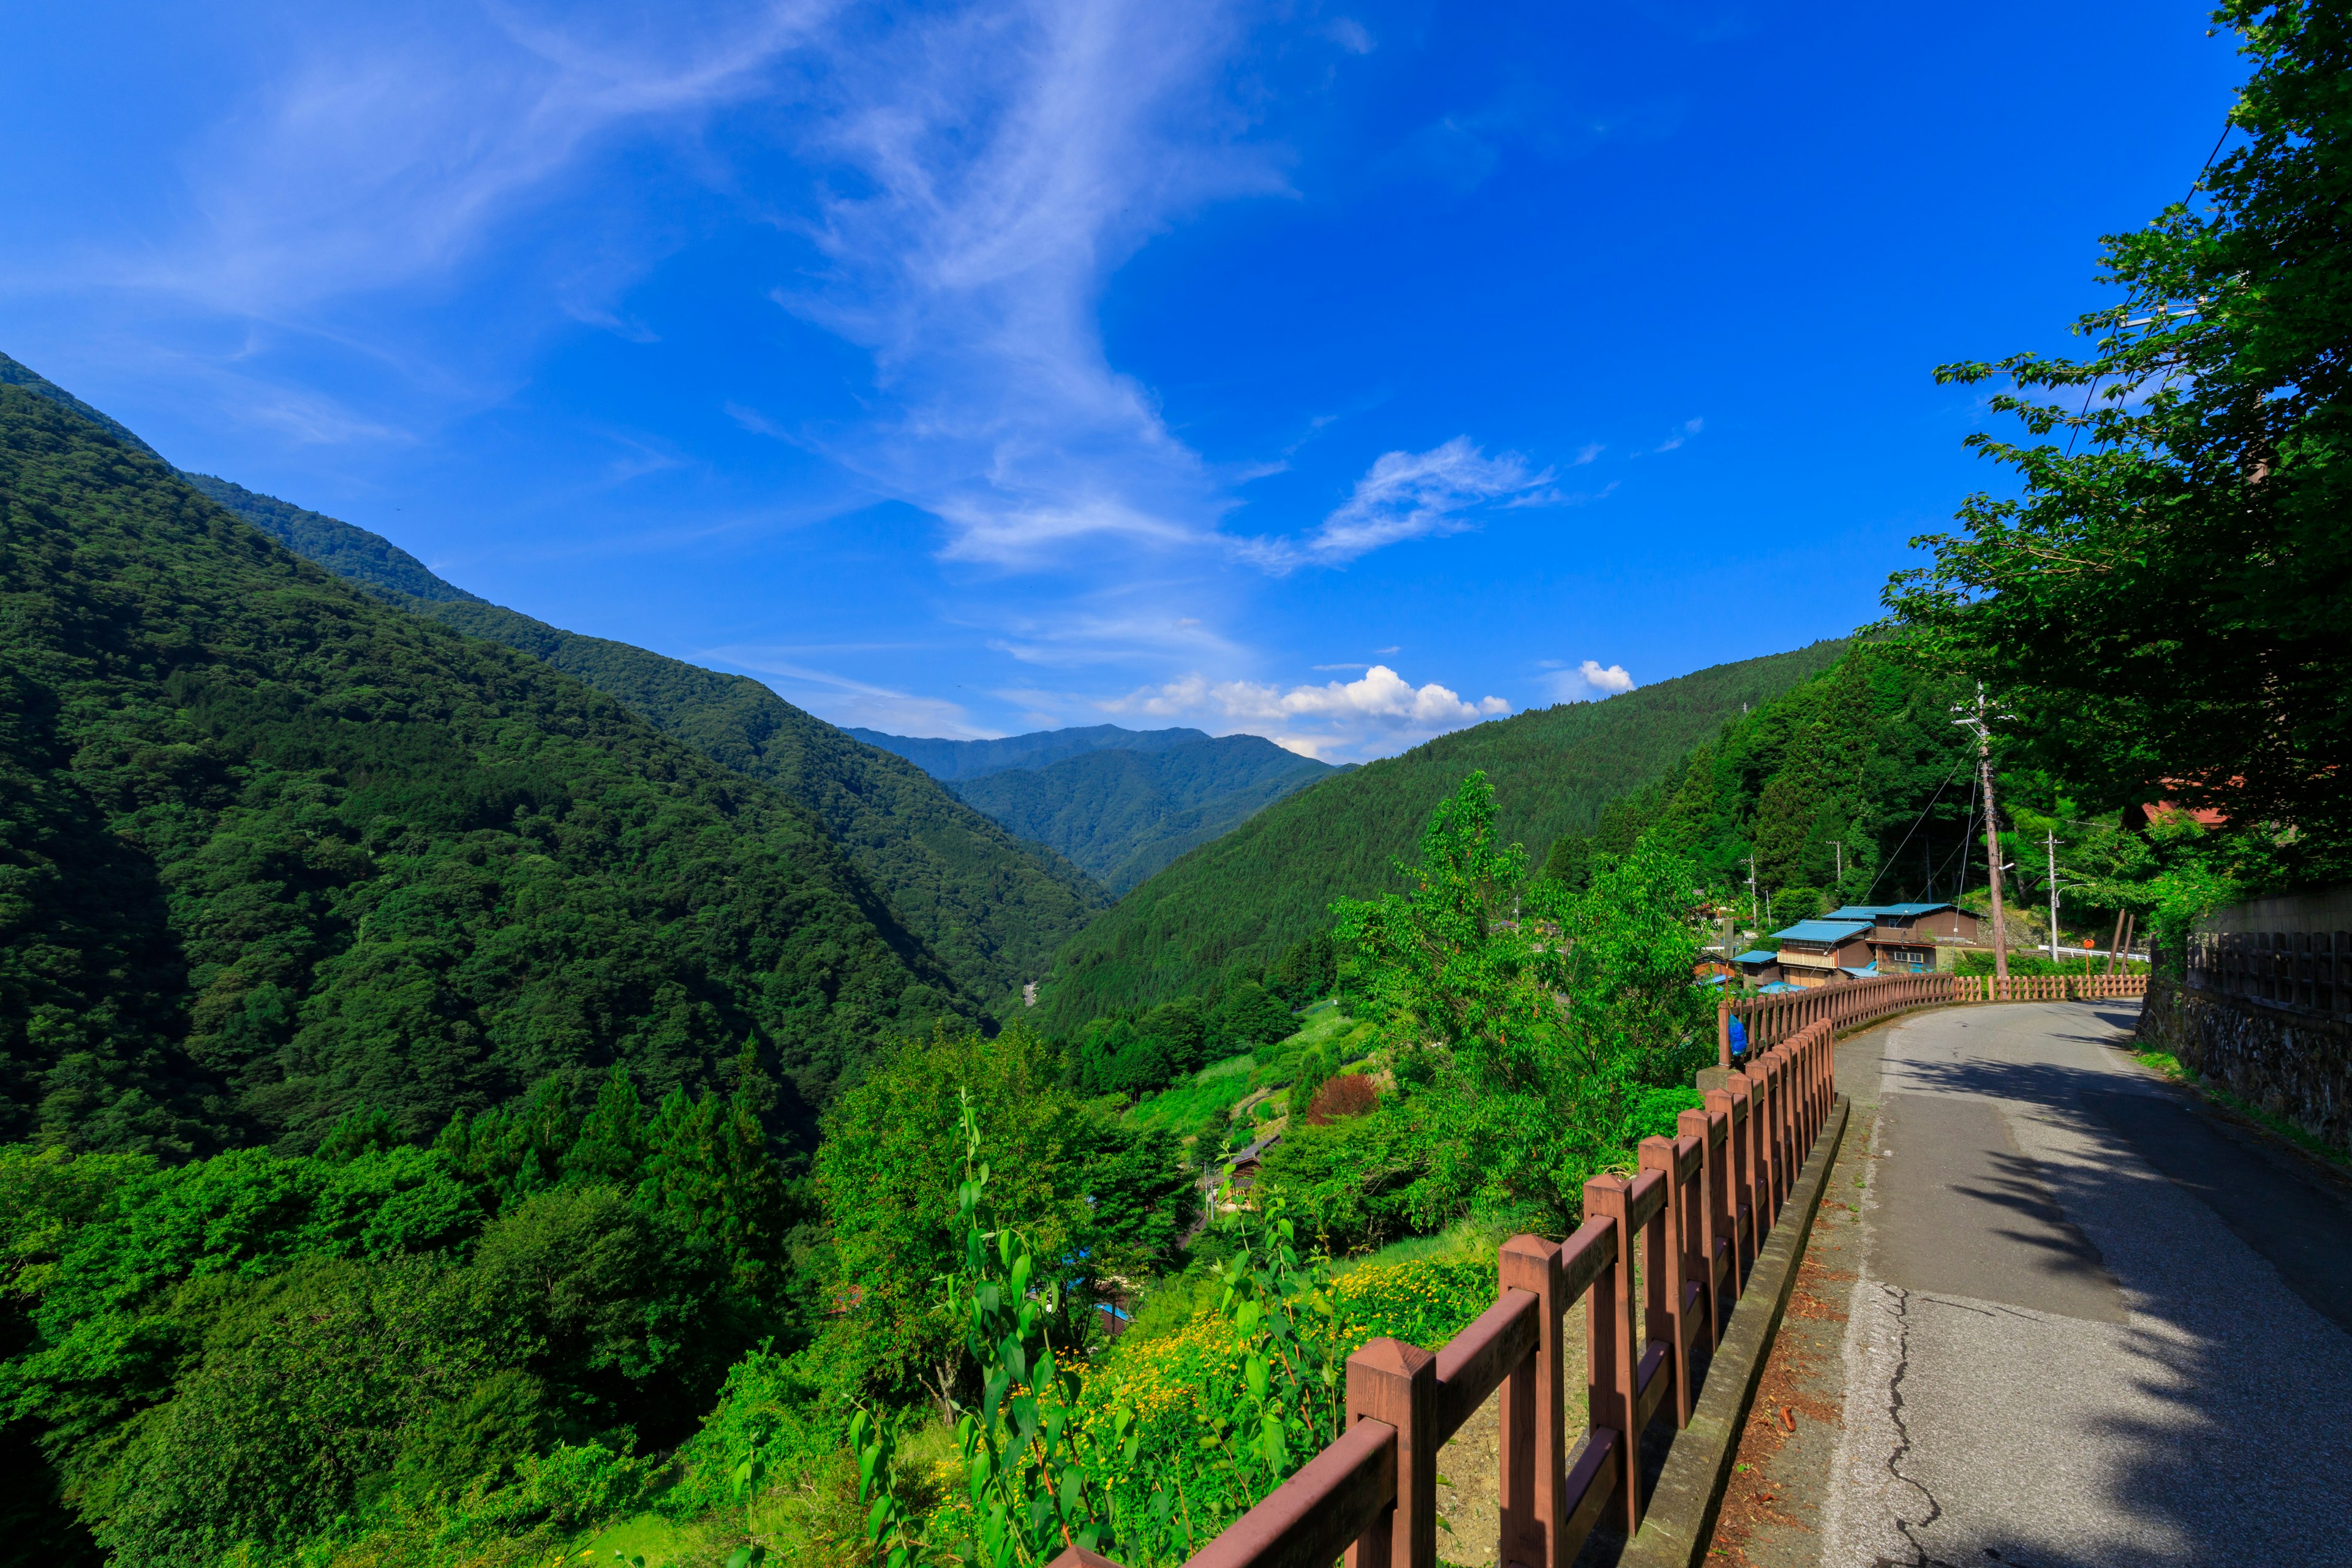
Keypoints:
pixel 1587 681
pixel 386 151
pixel 1373 713
pixel 1002 162
pixel 1690 428
pixel 853 704
pixel 1409 495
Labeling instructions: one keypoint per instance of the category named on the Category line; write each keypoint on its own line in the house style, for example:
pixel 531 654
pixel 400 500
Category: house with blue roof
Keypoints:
pixel 1823 952
pixel 1903 937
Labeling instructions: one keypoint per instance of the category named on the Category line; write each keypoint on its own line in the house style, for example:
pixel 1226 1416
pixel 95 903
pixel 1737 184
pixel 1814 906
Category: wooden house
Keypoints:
pixel 1903 937
pixel 1825 952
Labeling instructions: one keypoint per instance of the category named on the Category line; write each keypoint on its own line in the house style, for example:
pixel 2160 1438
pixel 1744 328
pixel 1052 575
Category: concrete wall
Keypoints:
pixel 2294 1065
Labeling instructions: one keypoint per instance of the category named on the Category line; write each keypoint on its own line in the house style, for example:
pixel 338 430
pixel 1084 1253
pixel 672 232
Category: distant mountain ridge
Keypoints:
pixel 993 907
pixel 951 761
pixel 1245 898
pixel 1124 814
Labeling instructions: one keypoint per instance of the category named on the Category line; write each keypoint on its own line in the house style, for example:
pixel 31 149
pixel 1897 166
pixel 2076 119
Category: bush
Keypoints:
pixel 1791 905
pixel 1351 1094
pixel 1654 1114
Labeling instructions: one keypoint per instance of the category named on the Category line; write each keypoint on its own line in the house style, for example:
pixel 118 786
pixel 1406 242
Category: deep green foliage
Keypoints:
pixel 1269 883
pixel 13 373
pixel 1134 1056
pixel 1122 814
pixel 258 1349
pixel 274 849
pixel 994 907
pixel 2167 607
pixel 1863 756
pixel 1094 1195
pixel 1522 1021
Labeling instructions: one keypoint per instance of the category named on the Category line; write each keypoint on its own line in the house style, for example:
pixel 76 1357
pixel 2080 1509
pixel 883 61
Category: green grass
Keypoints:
pixel 657 1539
pixel 1197 1107
pixel 2170 1066
pixel 1466 1240
pixel 1193 1108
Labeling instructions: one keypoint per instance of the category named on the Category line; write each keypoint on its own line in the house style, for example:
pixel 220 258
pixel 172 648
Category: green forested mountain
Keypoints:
pixel 952 760
pixel 1269 883
pixel 13 373
pixel 1122 814
pixel 992 908
pixel 1854 785
pixel 270 848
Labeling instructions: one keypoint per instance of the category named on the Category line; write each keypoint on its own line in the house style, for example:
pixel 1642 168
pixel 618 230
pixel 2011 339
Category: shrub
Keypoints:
pixel 1351 1094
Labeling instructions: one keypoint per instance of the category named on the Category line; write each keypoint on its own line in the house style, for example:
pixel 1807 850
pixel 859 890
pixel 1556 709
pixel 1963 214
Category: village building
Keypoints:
pixel 1903 938
pixel 1823 952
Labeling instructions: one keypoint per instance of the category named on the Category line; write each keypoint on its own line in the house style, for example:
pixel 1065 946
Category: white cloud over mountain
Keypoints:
pixel 1372 714
pixel 1587 681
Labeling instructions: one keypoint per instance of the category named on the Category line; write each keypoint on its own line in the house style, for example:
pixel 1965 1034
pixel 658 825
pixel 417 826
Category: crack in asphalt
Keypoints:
pixel 1920 1554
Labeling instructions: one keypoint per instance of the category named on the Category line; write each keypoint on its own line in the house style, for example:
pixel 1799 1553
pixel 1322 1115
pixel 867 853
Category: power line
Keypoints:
pixel 1914 828
pixel 2204 169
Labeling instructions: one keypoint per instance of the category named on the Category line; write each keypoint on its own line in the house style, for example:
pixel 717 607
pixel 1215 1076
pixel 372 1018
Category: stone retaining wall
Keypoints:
pixel 2292 1064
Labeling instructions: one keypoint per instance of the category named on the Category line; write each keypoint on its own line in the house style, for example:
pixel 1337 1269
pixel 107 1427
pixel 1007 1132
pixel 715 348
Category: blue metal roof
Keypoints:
pixel 1863 911
pixel 1757 955
pixel 1776 986
pixel 1821 930
pixel 1862 973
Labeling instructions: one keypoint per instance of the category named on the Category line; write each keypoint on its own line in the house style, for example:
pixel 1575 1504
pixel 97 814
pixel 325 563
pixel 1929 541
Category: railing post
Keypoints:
pixel 1723 1030
pixel 1391 1381
pixel 1535 1420
pixel 1749 1085
pixel 1725 1103
pixel 1609 1357
pixel 1712 1129
pixel 1668 1272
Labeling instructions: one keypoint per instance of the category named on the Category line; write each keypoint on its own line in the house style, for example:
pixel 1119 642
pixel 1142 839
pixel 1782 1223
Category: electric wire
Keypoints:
pixel 2205 169
pixel 1915 821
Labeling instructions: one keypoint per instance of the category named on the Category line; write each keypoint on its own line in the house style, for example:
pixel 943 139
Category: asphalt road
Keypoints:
pixel 2095 1326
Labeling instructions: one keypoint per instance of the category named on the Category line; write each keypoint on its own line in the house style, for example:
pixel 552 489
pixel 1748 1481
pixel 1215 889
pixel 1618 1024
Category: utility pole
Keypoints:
pixel 1978 717
pixel 1755 909
pixel 1841 869
pixel 2050 845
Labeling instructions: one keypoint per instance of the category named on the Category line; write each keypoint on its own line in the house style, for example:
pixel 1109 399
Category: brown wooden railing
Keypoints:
pixel 1693 1215
pixel 1768 1020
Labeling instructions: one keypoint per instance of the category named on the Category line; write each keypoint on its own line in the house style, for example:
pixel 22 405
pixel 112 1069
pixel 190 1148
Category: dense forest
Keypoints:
pixel 275 850
pixel 1246 899
pixel 994 908
pixel 1122 814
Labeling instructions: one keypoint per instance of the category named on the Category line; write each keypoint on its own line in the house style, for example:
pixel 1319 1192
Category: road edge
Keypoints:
pixel 1680 1521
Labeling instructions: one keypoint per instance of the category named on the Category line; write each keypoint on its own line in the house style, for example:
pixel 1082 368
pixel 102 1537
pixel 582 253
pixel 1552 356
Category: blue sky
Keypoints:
pixel 1339 373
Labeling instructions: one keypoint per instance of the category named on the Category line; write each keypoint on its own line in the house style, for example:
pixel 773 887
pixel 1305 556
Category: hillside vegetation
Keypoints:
pixel 951 761
pixel 1246 898
pixel 994 907
pixel 1122 814
pixel 271 849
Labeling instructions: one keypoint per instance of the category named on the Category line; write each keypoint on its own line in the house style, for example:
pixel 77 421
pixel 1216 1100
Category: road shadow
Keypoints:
pixel 2235 1262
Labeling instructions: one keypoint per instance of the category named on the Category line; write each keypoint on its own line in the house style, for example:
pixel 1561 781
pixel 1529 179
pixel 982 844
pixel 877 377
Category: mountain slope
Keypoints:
pixel 1123 815
pixel 994 909
pixel 952 760
pixel 1270 882
pixel 271 849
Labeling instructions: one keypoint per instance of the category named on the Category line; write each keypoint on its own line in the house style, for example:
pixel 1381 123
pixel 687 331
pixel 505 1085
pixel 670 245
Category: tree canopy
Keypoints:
pixel 2167 604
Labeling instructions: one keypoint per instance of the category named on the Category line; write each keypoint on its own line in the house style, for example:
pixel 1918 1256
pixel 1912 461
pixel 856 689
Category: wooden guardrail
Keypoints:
pixel 1768 1020
pixel 1660 1261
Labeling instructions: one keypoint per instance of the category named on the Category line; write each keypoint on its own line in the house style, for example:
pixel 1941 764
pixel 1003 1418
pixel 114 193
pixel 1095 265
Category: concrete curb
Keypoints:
pixel 1681 1517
